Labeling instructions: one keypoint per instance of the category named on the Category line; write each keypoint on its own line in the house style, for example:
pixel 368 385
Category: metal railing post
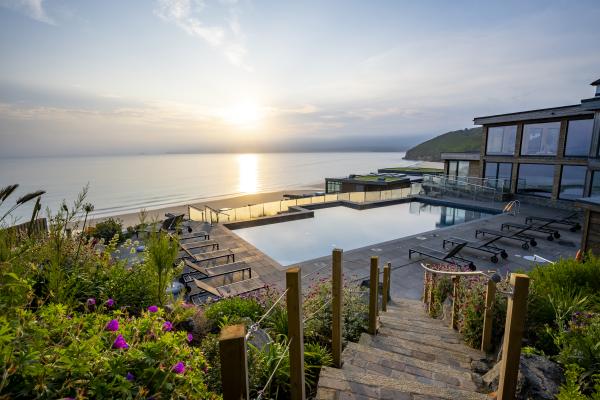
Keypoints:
pixel 337 296
pixel 234 364
pixel 387 270
pixel 486 337
pixel 295 333
pixel 513 334
pixel 373 295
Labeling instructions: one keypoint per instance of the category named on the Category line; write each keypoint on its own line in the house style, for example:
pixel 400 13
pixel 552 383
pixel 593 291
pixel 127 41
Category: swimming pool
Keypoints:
pixel 346 228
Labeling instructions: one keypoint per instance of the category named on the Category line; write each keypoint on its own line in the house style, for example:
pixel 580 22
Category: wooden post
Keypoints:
pixel 337 296
pixel 430 294
pixel 387 270
pixel 234 373
pixel 513 334
pixel 454 318
pixel 425 286
pixel 486 337
pixel 295 333
pixel 373 295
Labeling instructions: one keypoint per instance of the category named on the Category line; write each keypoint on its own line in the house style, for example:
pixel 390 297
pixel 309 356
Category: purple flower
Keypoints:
pixel 130 377
pixel 91 303
pixel 190 337
pixel 167 326
pixel 120 343
pixel 153 309
pixel 178 368
pixel 110 303
pixel 113 325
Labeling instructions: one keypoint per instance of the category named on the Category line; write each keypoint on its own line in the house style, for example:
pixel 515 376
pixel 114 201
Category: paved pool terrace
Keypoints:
pixel 407 275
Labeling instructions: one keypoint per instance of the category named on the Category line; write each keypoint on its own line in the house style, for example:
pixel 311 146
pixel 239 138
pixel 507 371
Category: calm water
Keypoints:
pixel 346 228
pixel 124 184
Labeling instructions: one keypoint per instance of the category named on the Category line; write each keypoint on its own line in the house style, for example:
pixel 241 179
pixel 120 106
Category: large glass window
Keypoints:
pixel 595 184
pixel 535 179
pixel 579 137
pixel 540 139
pixel 452 168
pixel 500 171
pixel 572 182
pixel 458 168
pixel 501 140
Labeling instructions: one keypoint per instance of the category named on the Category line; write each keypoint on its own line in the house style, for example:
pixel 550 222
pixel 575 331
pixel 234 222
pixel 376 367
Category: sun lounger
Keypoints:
pixel 450 256
pixel 192 237
pixel 205 291
pixel 568 221
pixel 201 244
pixel 172 221
pixel 222 274
pixel 552 233
pixel 197 270
pixel 209 255
pixel 485 246
pixel 518 236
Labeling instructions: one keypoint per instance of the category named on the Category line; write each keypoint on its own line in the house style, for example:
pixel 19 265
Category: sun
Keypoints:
pixel 247 114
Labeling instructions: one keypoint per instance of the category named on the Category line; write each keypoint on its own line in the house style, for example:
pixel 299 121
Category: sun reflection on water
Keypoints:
pixel 248 164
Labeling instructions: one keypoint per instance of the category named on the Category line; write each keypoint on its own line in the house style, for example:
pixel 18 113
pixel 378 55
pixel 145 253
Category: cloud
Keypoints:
pixel 34 9
pixel 226 37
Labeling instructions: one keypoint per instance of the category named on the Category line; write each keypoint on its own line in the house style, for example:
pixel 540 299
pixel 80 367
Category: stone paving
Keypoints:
pixel 407 275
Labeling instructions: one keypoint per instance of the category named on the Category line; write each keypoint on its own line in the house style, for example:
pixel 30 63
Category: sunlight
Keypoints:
pixel 248 164
pixel 247 114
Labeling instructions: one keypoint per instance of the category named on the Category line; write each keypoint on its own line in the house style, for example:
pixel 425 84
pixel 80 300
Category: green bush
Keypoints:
pixel 107 229
pixel 232 311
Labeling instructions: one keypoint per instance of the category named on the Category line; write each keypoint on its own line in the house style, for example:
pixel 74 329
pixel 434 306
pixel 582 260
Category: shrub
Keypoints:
pixel 107 229
pixel 233 310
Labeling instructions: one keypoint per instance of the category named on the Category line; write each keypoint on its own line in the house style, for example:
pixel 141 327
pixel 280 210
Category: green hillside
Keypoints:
pixel 465 140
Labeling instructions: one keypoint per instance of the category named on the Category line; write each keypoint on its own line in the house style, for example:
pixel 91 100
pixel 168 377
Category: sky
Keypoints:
pixel 155 76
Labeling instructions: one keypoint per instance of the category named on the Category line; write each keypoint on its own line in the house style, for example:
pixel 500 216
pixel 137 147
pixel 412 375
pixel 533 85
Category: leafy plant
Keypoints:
pixel 108 229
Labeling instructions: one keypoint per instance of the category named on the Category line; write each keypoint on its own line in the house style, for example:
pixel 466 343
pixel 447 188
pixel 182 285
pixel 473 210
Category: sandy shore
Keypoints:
pixel 227 202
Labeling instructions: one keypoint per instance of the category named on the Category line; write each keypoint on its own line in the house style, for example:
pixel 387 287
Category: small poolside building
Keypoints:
pixel 369 183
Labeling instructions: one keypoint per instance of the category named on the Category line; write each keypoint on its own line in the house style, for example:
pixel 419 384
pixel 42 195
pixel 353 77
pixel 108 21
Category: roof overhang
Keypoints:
pixel 461 156
pixel 545 113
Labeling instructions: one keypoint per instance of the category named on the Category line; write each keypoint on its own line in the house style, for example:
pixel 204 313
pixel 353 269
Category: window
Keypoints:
pixel 500 171
pixel 535 179
pixel 595 184
pixel 501 140
pixel 540 139
pixel 579 137
pixel 463 168
pixel 452 168
pixel 572 182
pixel 333 187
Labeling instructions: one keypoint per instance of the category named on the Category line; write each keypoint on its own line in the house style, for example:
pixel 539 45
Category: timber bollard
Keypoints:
pixel 234 364
pixel 295 333
pixel 486 337
pixel 513 334
pixel 387 270
pixel 373 295
pixel 337 296
pixel 454 317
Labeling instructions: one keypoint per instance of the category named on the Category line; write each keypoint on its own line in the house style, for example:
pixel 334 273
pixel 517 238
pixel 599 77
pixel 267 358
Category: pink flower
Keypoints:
pixel 91 304
pixel 167 326
pixel 190 337
pixel 153 309
pixel 113 325
pixel 178 368
pixel 120 343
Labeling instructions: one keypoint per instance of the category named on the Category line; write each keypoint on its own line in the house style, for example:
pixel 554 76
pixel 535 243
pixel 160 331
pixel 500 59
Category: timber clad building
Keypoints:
pixel 550 156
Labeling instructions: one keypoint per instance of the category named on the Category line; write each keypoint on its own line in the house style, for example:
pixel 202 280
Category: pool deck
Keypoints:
pixel 407 275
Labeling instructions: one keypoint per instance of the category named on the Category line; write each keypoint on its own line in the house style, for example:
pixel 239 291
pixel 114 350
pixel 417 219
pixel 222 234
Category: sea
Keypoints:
pixel 126 184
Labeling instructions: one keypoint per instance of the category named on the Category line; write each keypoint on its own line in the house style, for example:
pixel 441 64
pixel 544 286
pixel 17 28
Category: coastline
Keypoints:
pixel 130 219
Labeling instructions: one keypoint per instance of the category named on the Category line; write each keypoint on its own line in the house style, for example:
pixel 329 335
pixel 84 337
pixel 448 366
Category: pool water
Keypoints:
pixel 342 227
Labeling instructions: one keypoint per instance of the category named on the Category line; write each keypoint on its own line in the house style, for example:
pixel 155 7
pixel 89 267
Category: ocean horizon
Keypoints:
pixel 121 184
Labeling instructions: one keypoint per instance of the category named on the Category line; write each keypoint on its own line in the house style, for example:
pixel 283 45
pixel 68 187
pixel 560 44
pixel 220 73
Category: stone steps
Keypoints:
pixel 412 357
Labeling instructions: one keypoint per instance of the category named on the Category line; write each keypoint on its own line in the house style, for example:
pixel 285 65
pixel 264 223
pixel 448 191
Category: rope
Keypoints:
pixel 465 273
pixel 315 271
pixel 254 327
pixel 318 310
pixel 381 270
pixel 262 391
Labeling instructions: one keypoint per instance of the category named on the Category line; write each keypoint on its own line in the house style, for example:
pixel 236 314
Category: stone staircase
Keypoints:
pixel 412 357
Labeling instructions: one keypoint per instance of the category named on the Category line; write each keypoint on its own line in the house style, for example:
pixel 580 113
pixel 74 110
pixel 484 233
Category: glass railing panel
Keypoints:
pixel 272 208
pixel 303 201
pixel 331 197
pixel 372 196
pixel 357 197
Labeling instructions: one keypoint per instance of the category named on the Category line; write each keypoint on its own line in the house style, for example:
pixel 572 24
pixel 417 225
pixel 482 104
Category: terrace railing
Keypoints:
pixel 255 211
pixel 466 186
pixel 516 312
